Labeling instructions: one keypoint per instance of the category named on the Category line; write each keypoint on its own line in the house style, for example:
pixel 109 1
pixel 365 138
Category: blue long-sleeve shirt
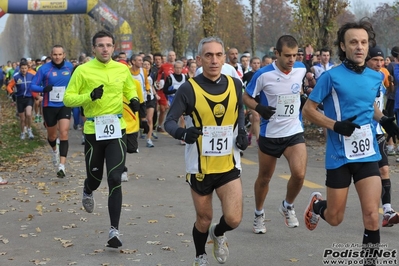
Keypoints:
pixel 50 74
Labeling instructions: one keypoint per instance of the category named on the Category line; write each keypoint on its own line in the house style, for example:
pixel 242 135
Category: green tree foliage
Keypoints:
pixel 315 21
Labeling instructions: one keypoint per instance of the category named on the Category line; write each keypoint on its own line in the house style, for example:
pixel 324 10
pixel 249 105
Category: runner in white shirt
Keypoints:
pixel 281 133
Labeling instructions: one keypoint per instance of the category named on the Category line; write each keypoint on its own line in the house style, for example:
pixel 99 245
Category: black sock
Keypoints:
pixel 319 207
pixel 64 148
pixel 52 143
pixel 386 191
pixel 199 241
pixel 371 240
pixel 222 227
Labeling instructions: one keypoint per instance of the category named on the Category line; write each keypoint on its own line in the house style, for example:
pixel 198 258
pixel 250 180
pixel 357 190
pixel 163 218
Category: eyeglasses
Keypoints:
pixel 102 45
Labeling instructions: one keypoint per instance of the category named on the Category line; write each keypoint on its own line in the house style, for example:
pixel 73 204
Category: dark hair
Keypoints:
pixel 362 24
pixel 134 56
pixel 325 49
pixel 57 46
pixel 157 54
pixel 23 63
pixel 254 58
pixel 286 40
pixel 102 34
pixel 265 56
pixel 147 58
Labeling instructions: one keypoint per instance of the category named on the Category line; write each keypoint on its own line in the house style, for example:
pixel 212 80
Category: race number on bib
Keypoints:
pixel 107 127
pixel 217 140
pixel 360 144
pixel 57 94
pixel 287 106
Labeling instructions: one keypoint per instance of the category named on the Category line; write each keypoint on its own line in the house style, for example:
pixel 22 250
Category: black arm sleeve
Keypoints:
pixel 168 83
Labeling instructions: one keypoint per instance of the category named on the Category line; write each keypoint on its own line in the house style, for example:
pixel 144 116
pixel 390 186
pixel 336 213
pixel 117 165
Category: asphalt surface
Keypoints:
pixel 42 221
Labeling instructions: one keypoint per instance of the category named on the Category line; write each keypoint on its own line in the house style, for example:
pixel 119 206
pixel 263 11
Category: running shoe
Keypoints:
pixel 390 218
pixel 391 152
pixel 160 129
pixel 311 218
pixel 3 181
pixel 61 171
pixel 55 156
pixel 88 202
pixel 289 215
pixel 259 224
pixel 36 119
pixel 114 241
pixel 30 134
pixel 83 140
pixel 182 142
pixel 202 260
pixel 220 247
pixel 124 177
pixel 154 135
pixel 22 136
pixel 150 144
pixel 40 119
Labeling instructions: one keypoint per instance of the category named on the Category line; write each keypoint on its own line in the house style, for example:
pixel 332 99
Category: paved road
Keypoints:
pixel 42 221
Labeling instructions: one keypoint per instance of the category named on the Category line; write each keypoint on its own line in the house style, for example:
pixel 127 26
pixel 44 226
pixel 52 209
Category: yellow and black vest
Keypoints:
pixel 212 110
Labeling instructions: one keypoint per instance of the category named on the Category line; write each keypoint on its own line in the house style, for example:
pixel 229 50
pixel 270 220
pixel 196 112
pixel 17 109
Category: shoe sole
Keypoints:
pixel 61 174
pixel 305 214
pixel 394 220
pixel 387 225
pixel 280 210
pixel 94 206
pixel 259 232
pixel 114 242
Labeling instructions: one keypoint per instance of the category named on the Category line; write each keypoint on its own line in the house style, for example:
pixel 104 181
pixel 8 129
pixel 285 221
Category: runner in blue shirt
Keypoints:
pixel 348 93
pixel 52 79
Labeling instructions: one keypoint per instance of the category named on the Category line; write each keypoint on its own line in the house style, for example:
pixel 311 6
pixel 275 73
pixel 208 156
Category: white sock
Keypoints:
pixel 286 204
pixel 257 213
pixel 387 207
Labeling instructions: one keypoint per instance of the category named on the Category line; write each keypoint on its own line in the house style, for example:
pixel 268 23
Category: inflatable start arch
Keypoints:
pixel 95 9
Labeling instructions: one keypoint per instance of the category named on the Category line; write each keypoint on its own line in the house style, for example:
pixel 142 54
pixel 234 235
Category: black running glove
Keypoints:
pixel 189 135
pixel 135 105
pixel 265 111
pixel 242 140
pixel 48 88
pixel 346 127
pixel 97 93
pixel 390 127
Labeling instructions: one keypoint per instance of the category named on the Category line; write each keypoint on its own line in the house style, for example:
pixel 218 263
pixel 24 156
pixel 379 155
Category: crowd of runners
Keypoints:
pixel 217 104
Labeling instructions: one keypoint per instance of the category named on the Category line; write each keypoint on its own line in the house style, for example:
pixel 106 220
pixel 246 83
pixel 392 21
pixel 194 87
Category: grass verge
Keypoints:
pixel 12 147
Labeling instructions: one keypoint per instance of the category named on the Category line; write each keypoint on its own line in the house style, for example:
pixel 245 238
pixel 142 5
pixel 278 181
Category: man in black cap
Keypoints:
pixel 375 61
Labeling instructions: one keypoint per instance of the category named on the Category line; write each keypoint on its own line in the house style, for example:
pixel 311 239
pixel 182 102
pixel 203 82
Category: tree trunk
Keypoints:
pixel 253 23
pixel 177 18
pixel 209 17
pixel 155 44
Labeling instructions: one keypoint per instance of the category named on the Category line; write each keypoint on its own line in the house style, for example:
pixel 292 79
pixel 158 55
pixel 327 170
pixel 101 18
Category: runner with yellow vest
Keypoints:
pixel 214 133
